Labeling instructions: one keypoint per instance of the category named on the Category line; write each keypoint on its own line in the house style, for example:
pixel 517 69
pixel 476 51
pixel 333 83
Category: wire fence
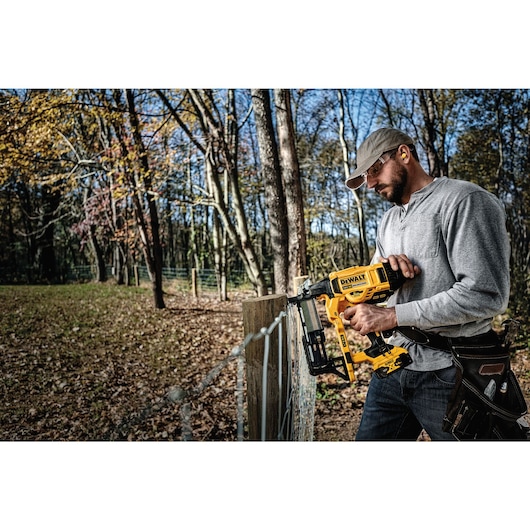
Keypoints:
pixel 206 278
pixel 295 423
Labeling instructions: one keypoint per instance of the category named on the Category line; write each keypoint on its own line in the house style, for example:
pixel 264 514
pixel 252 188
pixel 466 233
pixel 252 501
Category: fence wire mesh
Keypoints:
pixel 303 384
pixel 295 423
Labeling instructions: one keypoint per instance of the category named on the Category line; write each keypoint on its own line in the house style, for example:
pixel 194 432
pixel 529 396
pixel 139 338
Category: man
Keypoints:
pixel 449 239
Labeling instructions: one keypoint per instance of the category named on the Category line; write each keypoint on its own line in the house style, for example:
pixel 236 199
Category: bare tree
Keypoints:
pixel 147 220
pixel 429 131
pixel 363 241
pixel 218 148
pixel 297 247
pixel 274 189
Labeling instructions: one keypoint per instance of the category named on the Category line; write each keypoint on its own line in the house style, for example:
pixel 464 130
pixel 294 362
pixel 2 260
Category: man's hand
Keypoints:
pixel 403 263
pixel 366 318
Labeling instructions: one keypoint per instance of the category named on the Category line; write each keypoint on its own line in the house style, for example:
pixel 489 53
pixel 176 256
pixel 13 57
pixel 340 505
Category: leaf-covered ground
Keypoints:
pixel 97 362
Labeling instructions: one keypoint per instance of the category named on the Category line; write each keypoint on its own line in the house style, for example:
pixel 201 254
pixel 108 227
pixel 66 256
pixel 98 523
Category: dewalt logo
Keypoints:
pixel 358 279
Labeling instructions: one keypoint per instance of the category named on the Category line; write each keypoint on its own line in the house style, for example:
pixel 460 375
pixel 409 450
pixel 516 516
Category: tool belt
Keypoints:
pixel 438 342
pixel 487 402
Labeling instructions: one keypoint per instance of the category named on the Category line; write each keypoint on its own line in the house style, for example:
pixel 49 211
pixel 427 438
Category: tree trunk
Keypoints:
pixel 218 243
pixel 150 234
pixel 14 269
pixel 195 263
pixel 99 260
pixel 274 190
pixel 119 264
pixel 95 247
pixel 46 248
pixel 290 168
pixel 427 105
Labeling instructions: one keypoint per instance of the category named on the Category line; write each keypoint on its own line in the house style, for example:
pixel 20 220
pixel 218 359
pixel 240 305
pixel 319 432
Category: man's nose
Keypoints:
pixel 371 182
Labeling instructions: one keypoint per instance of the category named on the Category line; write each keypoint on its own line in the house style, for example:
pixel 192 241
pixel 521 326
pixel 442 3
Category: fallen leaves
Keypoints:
pixel 97 362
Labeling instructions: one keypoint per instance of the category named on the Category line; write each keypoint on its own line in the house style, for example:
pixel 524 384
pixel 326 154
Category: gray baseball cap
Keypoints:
pixel 372 148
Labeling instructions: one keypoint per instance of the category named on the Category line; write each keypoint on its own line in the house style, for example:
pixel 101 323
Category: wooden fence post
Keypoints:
pixel 260 313
pixel 304 384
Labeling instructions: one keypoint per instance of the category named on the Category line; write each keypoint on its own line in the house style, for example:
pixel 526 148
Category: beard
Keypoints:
pixel 397 186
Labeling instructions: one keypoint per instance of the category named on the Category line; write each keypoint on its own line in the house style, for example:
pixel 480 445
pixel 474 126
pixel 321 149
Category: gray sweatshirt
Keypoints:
pixel 455 231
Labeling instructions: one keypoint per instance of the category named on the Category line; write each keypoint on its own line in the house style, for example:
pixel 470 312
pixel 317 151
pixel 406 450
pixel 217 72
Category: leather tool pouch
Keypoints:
pixel 487 401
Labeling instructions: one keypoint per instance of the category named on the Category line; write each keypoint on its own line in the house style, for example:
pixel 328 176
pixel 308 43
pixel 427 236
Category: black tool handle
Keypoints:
pixel 395 278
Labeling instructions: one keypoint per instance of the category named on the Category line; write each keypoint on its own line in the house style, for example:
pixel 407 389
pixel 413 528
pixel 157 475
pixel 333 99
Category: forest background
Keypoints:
pixel 245 182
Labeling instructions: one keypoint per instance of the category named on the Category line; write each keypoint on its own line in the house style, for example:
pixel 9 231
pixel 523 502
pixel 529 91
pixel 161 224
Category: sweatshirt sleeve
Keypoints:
pixel 478 253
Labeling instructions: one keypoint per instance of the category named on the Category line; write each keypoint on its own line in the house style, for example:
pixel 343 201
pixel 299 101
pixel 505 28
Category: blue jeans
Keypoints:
pixel 400 405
